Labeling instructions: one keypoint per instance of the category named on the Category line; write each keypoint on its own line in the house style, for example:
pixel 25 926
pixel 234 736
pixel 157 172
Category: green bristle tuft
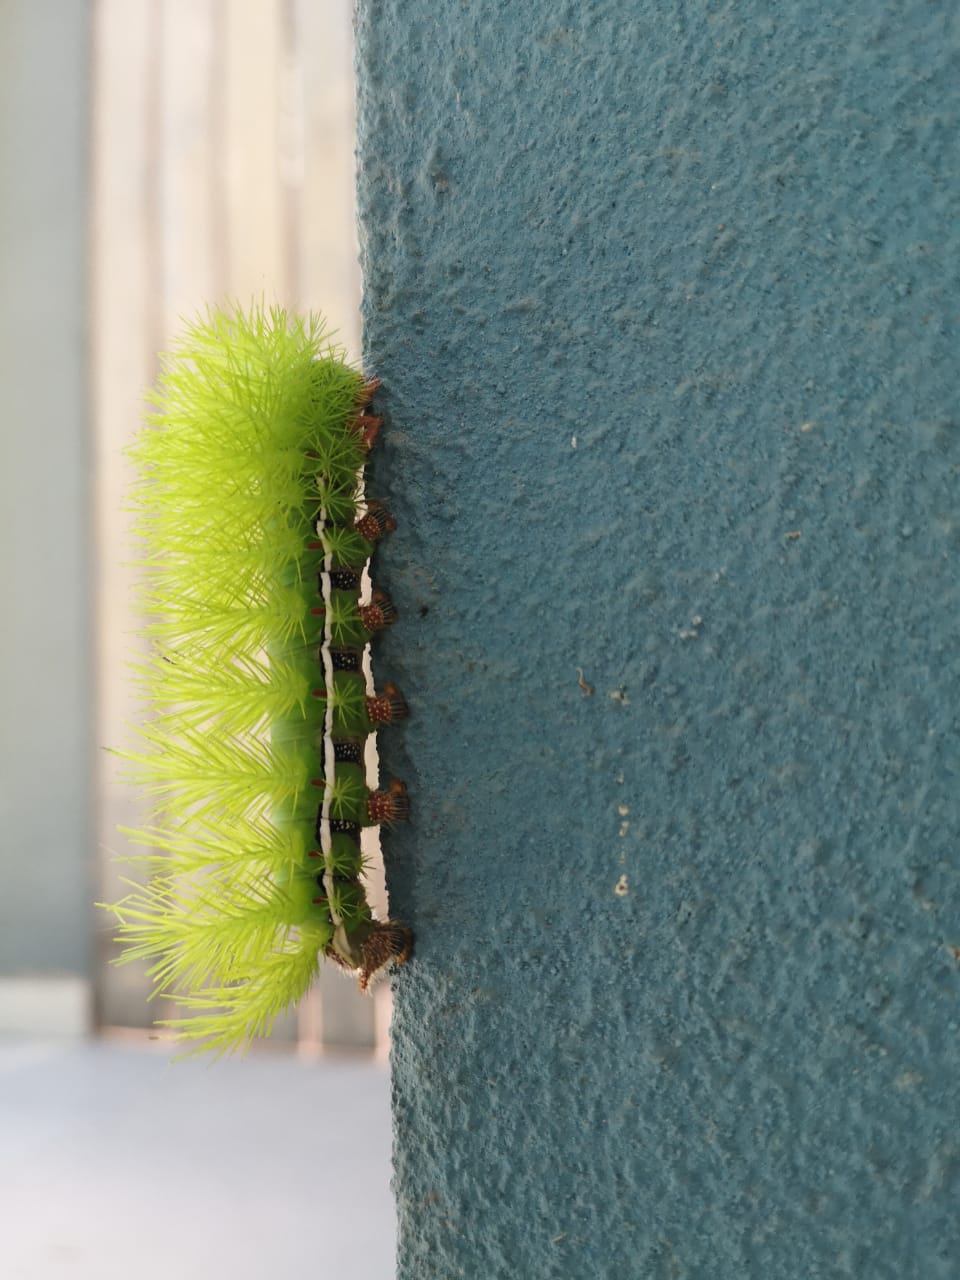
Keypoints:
pixel 202 775
pixel 350 550
pixel 238 697
pixel 207 930
pixel 256 844
pixel 221 1018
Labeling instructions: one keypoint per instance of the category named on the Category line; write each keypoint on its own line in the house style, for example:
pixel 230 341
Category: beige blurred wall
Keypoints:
pixel 176 153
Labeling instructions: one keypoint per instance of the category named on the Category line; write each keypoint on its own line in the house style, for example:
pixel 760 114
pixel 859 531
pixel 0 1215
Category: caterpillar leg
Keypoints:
pixel 387 945
pixel 373 949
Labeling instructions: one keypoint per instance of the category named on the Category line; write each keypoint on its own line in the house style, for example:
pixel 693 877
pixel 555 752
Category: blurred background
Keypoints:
pixel 155 155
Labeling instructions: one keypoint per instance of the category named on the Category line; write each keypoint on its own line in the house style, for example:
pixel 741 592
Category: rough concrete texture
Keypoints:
pixel 665 300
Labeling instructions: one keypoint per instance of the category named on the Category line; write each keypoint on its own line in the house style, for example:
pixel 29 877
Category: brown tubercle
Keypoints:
pixel 375 522
pixel 389 806
pixel 387 707
pixel 379 613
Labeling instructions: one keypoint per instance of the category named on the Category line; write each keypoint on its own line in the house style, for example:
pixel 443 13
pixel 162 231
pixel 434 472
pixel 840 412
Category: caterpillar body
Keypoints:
pixel 256 532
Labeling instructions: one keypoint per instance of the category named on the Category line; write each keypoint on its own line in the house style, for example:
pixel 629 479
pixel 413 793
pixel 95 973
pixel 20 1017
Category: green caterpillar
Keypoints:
pixel 250 508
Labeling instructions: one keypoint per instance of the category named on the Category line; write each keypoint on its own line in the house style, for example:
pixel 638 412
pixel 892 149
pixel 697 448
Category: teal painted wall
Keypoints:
pixel 665 303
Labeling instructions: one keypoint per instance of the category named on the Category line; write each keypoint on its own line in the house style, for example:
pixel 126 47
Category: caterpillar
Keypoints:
pixel 256 534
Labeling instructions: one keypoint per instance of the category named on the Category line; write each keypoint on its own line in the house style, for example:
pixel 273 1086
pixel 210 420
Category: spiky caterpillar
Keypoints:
pixel 249 504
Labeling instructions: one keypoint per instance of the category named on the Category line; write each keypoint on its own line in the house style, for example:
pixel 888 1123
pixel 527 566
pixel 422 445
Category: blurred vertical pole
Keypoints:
pixel 126 322
pixel 46 880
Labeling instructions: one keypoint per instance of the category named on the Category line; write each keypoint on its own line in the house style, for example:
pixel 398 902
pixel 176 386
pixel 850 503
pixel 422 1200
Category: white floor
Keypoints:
pixel 117 1165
